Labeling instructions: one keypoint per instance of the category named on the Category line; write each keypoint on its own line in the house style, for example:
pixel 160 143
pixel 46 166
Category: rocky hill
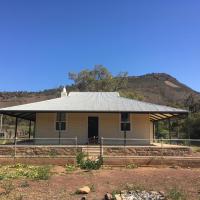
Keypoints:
pixel 162 89
pixel 156 88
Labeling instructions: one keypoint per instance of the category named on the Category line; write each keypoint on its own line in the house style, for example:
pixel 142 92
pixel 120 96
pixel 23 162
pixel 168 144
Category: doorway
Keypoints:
pixel 93 129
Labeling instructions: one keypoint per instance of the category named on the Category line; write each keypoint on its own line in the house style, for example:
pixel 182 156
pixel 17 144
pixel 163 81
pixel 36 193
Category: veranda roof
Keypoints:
pixel 92 102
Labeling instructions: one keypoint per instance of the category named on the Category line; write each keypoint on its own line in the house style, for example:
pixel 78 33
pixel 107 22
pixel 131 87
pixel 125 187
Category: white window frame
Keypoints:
pixel 66 122
pixel 128 121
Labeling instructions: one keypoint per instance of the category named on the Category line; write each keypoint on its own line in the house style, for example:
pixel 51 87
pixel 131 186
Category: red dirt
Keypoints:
pixel 62 185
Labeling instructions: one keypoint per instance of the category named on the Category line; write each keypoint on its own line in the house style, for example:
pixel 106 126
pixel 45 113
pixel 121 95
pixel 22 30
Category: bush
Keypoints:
pixel 70 168
pixel 88 164
pixel 24 184
pixel 28 171
pixel 175 194
pixel 131 166
pixel 80 157
pixel 91 164
pixel 8 186
pixel 40 173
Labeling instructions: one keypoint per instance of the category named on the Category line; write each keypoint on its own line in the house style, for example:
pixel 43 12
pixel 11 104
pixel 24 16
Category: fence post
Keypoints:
pixel 101 147
pixel 162 146
pixel 76 141
pixel 15 147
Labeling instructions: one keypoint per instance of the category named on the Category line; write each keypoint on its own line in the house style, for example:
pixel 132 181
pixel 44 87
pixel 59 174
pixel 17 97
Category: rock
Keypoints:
pixel 83 198
pixel 108 196
pixel 154 192
pixel 118 197
pixel 2 191
pixel 162 193
pixel 174 167
pixel 139 195
pixel 84 190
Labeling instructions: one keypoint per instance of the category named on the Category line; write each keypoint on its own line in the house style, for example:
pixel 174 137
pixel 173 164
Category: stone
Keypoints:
pixel 118 197
pixel 108 196
pixel 162 193
pixel 2 191
pixel 84 190
pixel 83 198
pixel 154 192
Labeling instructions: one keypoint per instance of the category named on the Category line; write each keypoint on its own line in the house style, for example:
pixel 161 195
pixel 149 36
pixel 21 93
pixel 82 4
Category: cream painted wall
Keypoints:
pixel 109 126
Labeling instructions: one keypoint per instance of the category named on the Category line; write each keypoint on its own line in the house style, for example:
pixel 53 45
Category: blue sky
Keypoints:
pixel 42 40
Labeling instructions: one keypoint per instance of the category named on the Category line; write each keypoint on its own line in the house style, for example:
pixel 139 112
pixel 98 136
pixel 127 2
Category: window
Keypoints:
pixel 61 121
pixel 125 121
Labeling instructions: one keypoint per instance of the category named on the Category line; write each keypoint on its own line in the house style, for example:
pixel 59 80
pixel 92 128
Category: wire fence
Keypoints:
pixel 149 142
pixel 106 147
pixel 134 147
pixel 38 147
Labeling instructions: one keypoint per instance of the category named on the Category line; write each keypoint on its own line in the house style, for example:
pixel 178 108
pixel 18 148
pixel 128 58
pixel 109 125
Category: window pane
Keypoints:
pixel 57 126
pixel 125 117
pixel 128 126
pixel 125 126
pixel 62 116
pixel 63 127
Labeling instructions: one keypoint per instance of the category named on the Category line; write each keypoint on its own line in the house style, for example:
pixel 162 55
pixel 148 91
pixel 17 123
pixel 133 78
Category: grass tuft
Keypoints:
pixel 175 194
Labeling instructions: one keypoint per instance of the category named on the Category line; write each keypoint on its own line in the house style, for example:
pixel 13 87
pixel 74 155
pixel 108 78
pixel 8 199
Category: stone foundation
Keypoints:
pixel 146 151
pixel 108 151
pixel 38 151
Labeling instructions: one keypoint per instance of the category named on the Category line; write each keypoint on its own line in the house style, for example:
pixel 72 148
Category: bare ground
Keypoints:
pixel 62 185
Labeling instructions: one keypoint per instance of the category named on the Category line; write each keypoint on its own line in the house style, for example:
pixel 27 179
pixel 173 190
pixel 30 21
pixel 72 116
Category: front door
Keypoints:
pixel 93 129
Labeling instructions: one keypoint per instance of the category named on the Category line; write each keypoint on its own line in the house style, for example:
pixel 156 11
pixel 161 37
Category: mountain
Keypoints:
pixel 161 88
pixel 158 88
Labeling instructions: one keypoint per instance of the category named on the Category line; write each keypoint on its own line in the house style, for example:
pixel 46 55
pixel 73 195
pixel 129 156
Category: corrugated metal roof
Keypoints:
pixel 93 102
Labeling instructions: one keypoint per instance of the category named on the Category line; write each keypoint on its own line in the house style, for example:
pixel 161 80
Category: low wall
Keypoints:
pixel 38 151
pixel 108 151
pixel 146 151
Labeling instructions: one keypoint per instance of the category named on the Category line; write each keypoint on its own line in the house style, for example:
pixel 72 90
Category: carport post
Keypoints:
pixel 153 131
pixel 188 130
pixel 16 123
pixel 169 127
pixel 29 129
pixel 34 132
pixel 1 122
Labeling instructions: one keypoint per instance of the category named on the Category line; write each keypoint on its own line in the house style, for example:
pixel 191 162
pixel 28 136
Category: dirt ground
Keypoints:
pixel 62 185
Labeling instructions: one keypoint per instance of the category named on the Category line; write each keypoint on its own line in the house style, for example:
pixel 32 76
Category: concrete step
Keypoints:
pixel 91 148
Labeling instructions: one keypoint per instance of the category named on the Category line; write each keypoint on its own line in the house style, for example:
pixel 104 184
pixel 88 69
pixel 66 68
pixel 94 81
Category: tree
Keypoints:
pixel 99 79
pixel 192 104
pixel 192 125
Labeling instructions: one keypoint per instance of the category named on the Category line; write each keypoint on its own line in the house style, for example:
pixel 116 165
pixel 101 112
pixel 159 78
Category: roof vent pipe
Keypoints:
pixel 64 92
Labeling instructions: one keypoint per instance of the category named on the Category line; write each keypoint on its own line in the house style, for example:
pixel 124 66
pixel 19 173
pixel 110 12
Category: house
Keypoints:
pixel 92 115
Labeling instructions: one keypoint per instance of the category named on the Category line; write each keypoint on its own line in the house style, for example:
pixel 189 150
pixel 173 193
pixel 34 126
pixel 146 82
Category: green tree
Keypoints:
pixel 99 79
pixel 192 125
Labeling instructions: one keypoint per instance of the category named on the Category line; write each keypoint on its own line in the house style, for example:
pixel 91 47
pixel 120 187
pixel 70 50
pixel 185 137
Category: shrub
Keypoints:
pixel 131 166
pixel 40 173
pixel 80 157
pixel 175 194
pixel 130 187
pixel 91 164
pixel 88 164
pixel 8 186
pixel 24 184
pixel 70 168
pixel 28 171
